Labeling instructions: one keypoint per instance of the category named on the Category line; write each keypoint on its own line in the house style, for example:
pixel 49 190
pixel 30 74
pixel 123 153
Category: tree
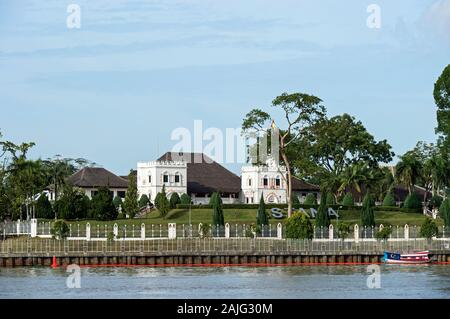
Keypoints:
pixel 162 203
pixel 300 111
pixel 261 217
pixel 60 230
pixel 389 200
pixel 442 99
pixel 72 204
pixel 429 229
pixel 185 199
pixel 102 206
pixel 130 204
pixel 144 201
pixel 330 200
pixel 217 205
pixel 444 210
pixel 367 212
pixel 310 199
pixel 408 170
pixel 44 208
pixel 295 201
pixel 412 201
pixel 117 201
pixel 174 200
pixel 333 145
pixel 298 226
pixel 348 200
pixel 322 218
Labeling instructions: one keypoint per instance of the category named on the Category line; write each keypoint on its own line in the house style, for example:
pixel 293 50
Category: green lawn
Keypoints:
pixel 248 216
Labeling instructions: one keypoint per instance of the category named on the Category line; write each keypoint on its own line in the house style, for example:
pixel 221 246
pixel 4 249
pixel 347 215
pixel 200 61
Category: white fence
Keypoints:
pixel 136 231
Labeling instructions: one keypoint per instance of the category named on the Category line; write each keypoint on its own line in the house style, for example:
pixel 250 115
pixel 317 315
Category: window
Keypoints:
pixel 121 194
pixel 93 193
pixel 150 179
pixel 166 178
pixel 265 181
pixel 177 178
pixel 249 182
pixel 278 182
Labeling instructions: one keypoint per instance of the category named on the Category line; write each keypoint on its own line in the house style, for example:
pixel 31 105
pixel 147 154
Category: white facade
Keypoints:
pixel 151 176
pixel 90 192
pixel 268 181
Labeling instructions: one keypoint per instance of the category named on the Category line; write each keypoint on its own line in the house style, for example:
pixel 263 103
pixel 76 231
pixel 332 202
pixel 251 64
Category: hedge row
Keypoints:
pixel 284 206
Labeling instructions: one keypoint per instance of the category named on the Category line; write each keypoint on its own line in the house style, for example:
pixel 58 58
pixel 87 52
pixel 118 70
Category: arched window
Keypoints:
pixel 250 182
pixel 165 177
pixel 278 181
pixel 265 181
pixel 177 178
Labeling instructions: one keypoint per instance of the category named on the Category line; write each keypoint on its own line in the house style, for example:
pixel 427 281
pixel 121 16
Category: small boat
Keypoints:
pixel 422 257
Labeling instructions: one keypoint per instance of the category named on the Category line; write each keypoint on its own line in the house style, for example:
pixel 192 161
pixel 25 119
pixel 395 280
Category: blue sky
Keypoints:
pixel 113 90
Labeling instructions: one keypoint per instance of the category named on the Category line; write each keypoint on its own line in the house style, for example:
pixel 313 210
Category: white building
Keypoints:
pixel 270 181
pixel 194 174
pixel 151 177
pixel 267 180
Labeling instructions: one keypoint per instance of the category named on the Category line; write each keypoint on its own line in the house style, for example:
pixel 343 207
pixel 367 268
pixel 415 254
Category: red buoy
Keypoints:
pixel 54 264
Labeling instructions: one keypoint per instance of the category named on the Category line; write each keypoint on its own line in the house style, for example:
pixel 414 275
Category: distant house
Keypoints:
pixel 90 179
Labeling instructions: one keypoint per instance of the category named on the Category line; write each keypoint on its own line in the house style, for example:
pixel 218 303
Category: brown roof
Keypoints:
pixel 93 177
pixel 300 185
pixel 204 176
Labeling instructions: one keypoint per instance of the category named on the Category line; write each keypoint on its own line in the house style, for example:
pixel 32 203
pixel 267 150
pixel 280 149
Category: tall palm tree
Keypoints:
pixel 353 177
pixel 408 170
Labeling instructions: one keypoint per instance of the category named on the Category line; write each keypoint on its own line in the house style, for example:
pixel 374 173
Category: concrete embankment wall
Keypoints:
pixel 203 259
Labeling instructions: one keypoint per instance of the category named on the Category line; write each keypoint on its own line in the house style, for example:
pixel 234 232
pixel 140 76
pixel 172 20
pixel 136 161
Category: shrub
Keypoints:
pixel 429 229
pixel 389 200
pixel 185 199
pixel 310 199
pixel 102 207
pixel 162 203
pixel 261 216
pixel 144 201
pixel 60 230
pixel 444 210
pixel 330 200
pixel 73 204
pixel 44 208
pixel 413 202
pixel 295 200
pixel 384 233
pixel 436 201
pixel 218 218
pixel 299 226
pixel 343 230
pixel 348 200
pixel 367 213
pixel 322 218
pixel 174 200
pixel 117 201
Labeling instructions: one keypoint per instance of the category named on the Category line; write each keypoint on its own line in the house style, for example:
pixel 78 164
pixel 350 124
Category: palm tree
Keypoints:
pixel 353 177
pixel 408 170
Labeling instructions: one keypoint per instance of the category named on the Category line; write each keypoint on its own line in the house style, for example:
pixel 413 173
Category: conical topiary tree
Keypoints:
pixel 185 199
pixel 367 212
pixel 330 200
pixel 389 200
pixel 261 217
pixel 174 200
pixel 216 202
pixel 348 200
pixel 444 210
pixel 310 199
pixel 322 218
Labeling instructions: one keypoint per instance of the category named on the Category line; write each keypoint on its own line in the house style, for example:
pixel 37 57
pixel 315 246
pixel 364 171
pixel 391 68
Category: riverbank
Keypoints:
pixel 208 252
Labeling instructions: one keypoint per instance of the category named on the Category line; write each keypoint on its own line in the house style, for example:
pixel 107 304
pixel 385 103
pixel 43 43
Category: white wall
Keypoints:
pixel 157 170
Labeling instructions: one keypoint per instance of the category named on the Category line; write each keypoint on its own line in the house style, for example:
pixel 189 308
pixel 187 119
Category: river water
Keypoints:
pixel 302 282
